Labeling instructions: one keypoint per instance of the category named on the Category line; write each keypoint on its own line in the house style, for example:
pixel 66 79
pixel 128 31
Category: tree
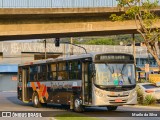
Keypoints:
pixel 100 41
pixel 144 15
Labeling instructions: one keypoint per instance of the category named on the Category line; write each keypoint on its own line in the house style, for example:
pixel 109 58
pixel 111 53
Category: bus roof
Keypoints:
pixel 71 57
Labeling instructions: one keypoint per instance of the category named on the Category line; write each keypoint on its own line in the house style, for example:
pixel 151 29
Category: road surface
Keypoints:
pixel 9 102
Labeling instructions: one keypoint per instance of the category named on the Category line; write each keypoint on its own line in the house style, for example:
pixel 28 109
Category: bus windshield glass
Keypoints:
pixel 115 74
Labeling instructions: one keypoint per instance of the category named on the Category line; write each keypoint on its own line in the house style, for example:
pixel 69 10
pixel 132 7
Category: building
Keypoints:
pixel 14 53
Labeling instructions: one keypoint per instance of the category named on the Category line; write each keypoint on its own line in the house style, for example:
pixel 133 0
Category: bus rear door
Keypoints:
pixel 24 84
pixel 86 83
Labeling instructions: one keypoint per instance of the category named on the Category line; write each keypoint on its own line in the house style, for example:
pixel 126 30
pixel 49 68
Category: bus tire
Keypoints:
pixel 112 108
pixel 35 100
pixel 77 105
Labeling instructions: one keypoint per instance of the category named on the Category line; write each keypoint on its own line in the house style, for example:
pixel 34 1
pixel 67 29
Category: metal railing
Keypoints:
pixel 58 3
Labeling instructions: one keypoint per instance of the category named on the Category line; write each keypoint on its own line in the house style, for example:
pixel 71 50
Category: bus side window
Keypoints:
pixel 42 72
pixel 62 71
pixel 33 73
pixel 75 69
pixel 52 71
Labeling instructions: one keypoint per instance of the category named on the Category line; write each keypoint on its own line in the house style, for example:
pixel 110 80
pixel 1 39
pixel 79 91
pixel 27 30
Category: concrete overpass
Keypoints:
pixel 31 23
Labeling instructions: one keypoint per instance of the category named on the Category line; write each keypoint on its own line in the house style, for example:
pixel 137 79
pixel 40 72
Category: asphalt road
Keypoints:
pixel 9 102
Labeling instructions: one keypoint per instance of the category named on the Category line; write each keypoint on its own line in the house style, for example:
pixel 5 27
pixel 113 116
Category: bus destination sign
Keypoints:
pixel 112 57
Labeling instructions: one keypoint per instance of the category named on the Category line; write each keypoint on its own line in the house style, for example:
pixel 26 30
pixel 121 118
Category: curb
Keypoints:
pixel 140 106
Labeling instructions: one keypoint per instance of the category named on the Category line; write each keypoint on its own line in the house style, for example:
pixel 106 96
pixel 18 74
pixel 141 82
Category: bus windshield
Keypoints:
pixel 115 74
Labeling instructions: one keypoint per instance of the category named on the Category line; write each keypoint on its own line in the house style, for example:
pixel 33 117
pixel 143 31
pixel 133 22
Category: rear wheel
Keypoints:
pixel 35 100
pixel 112 108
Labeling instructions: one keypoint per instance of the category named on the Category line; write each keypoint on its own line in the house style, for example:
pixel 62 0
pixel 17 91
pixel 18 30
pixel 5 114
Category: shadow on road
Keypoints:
pixel 16 101
pixel 89 111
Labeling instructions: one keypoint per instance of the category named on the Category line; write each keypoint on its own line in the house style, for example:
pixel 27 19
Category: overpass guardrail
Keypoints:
pixel 59 3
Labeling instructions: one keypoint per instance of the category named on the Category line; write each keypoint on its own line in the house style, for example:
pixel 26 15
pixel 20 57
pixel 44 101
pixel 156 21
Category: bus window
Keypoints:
pixel 62 71
pixel 52 71
pixel 33 73
pixel 75 70
pixel 62 66
pixel 42 71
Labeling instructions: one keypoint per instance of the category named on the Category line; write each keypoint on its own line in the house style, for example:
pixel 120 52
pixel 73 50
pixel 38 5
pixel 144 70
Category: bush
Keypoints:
pixel 145 100
pixel 140 96
pixel 149 100
pixel 101 41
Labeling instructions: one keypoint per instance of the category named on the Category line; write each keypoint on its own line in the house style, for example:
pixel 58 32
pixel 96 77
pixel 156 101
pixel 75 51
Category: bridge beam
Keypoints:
pixel 31 26
pixel 64 28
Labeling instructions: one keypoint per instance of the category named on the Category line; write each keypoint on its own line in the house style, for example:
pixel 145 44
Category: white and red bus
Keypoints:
pixel 103 79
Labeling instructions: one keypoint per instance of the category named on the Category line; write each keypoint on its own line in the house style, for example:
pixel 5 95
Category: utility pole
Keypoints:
pixel 134 48
pixel 64 50
pixel 134 52
pixel 71 47
pixel 45 48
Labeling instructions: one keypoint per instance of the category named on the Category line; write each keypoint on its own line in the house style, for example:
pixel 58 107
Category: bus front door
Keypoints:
pixel 86 83
pixel 24 84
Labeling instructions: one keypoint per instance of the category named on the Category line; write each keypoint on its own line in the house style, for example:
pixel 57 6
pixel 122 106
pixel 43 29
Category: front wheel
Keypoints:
pixel 78 107
pixel 112 108
pixel 35 100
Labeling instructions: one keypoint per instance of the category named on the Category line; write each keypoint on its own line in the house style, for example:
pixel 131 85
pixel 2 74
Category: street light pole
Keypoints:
pixel 45 48
pixel 76 45
pixel 71 47
pixel 134 48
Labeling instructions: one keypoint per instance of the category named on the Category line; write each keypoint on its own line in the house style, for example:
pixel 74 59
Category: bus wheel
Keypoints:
pixel 35 100
pixel 78 107
pixel 112 108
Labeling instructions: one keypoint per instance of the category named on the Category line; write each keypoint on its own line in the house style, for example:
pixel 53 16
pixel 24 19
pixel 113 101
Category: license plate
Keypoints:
pixel 118 100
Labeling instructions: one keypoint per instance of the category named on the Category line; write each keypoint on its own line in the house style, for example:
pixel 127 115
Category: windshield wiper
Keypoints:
pixel 109 68
pixel 122 71
pixel 112 71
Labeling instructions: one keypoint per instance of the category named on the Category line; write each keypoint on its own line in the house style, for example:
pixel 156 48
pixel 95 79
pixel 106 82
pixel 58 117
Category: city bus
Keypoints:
pixel 79 81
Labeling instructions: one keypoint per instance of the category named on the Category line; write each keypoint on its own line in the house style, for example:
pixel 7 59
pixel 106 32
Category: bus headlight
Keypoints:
pixel 99 93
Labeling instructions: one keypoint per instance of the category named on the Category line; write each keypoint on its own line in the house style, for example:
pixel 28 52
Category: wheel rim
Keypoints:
pixel 36 100
pixel 77 103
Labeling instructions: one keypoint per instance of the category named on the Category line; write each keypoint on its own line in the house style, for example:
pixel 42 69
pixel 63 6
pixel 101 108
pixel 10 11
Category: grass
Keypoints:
pixel 72 116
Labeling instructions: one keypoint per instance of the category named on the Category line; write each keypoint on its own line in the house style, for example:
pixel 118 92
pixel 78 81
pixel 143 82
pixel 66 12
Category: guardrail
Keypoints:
pixel 58 3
